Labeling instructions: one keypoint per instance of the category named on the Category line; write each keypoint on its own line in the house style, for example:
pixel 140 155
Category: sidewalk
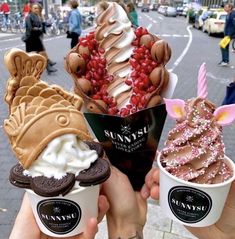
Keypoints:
pixel 158 226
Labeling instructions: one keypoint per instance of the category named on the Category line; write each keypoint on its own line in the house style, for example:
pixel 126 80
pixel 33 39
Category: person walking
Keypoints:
pixel 5 9
pixel 132 14
pixel 26 9
pixel 229 30
pixel 101 7
pixel 34 34
pixel 75 23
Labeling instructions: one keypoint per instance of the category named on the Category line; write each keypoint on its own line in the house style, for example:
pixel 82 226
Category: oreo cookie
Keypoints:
pixel 95 146
pixel 50 187
pixel 17 178
pixel 97 173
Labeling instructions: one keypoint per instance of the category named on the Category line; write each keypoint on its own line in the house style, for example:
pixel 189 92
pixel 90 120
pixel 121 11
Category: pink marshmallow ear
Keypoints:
pixel 225 114
pixel 175 108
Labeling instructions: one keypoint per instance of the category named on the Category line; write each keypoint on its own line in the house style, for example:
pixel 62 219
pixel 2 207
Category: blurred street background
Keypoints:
pixel 191 45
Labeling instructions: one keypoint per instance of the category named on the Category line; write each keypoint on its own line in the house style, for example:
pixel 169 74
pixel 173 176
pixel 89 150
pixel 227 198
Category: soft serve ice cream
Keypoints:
pixel 119 70
pixel 195 174
pixel 47 132
pixel 64 154
pixel 194 150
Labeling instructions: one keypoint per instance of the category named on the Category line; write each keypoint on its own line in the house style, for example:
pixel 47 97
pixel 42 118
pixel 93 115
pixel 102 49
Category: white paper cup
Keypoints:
pixel 192 204
pixel 65 216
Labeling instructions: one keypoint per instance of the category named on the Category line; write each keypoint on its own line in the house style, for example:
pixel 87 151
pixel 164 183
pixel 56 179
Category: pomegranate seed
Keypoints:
pixel 129 106
pixel 101 50
pixel 96 97
pixel 128 82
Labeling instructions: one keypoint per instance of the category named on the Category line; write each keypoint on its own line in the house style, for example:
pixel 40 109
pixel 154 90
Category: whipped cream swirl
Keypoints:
pixel 64 154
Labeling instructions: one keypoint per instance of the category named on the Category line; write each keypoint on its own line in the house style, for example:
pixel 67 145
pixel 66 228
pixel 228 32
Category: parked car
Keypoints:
pixel 145 8
pixel 201 17
pixel 185 11
pixel 179 10
pixel 170 12
pixel 140 4
pixel 162 9
pixel 215 23
pixel 155 7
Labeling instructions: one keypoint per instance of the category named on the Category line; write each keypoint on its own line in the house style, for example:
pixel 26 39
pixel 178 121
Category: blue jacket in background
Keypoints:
pixel 229 29
pixel 75 21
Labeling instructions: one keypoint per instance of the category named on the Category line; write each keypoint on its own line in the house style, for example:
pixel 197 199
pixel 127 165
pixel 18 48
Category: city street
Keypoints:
pixel 190 48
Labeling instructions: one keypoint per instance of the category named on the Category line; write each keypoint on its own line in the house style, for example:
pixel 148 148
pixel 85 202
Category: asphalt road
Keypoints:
pixel 190 48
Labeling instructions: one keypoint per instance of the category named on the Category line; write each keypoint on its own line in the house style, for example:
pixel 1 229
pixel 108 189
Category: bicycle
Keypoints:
pixel 18 23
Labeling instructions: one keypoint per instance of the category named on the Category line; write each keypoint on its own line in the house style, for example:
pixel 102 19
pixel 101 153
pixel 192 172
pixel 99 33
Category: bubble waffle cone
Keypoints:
pixel 116 69
pixel 38 112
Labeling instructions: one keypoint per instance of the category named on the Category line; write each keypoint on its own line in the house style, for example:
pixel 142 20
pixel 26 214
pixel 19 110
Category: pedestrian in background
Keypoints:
pixel 229 30
pixel 101 7
pixel 26 9
pixel 132 14
pixel 34 34
pixel 44 26
pixel 75 23
pixel 5 9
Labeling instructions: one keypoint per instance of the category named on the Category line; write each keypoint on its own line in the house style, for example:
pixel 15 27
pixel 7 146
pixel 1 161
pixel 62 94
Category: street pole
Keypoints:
pixel 45 5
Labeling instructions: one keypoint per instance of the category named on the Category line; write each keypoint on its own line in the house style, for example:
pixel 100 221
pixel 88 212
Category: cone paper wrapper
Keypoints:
pixel 131 142
pixel 65 216
pixel 192 204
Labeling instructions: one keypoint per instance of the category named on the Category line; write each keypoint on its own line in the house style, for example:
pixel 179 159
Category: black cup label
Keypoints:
pixel 188 204
pixel 59 216
pixel 130 142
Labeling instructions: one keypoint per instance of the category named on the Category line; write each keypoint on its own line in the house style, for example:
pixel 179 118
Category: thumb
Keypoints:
pixel 91 230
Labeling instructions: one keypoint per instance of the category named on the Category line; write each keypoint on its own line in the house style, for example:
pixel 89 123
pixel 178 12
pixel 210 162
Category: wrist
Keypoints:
pixel 122 229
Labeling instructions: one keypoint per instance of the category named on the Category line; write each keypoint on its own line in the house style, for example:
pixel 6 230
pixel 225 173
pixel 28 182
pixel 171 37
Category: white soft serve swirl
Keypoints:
pixel 64 154
pixel 121 24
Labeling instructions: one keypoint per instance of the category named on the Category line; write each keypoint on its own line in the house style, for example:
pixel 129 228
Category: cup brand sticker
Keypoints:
pixel 59 216
pixel 188 204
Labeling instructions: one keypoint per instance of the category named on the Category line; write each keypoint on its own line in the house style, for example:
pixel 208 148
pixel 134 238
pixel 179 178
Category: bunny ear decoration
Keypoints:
pixel 175 108
pixel 225 114
pixel 202 82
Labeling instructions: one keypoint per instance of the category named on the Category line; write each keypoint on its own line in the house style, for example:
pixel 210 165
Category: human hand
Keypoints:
pixel 126 216
pixel 223 229
pixel 26 218
pixel 151 186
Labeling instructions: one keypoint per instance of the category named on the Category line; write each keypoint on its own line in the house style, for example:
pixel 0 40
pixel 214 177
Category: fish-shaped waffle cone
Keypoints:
pixel 38 112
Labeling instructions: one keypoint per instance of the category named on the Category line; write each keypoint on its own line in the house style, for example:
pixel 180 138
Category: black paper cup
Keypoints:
pixel 131 142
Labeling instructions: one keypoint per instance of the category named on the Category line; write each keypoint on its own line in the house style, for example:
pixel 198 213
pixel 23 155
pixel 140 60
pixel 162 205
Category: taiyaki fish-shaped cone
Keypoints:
pixel 21 65
pixel 38 112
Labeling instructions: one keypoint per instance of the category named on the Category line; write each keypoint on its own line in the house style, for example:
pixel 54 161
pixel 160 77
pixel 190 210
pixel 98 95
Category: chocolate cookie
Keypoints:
pixel 50 187
pixel 95 146
pixel 17 178
pixel 98 172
